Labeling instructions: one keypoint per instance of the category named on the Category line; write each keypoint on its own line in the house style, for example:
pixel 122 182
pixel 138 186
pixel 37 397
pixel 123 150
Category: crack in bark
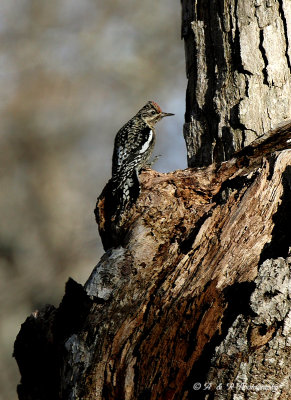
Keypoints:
pixel 282 15
pixel 186 244
pixel 264 56
pixel 281 234
pixel 235 184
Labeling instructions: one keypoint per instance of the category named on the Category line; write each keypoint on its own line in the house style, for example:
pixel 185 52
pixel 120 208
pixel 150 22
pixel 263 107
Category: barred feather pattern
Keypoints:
pixel 135 141
pixel 125 182
pixel 133 147
pixel 134 144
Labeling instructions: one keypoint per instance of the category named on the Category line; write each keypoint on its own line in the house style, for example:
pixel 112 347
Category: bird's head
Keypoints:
pixel 151 113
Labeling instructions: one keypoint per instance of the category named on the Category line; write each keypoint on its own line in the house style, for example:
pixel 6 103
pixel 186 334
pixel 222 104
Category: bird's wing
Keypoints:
pixel 131 148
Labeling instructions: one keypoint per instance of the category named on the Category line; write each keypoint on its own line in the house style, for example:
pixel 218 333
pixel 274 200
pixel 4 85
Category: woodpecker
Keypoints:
pixel 133 147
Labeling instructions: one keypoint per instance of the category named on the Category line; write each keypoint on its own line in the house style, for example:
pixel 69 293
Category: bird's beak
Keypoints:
pixel 166 114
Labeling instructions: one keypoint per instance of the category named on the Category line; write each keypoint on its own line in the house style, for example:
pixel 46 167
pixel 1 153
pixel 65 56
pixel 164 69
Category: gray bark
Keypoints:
pixel 254 357
pixel 238 70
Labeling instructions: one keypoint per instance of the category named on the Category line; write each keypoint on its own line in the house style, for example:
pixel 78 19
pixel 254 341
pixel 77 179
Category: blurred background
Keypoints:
pixel 72 72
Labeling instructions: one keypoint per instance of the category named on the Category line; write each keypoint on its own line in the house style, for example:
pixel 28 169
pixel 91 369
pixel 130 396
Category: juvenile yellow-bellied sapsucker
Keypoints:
pixel 133 147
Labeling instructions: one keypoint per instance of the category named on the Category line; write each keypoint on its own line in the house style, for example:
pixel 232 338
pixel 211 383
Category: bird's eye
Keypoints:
pixel 153 112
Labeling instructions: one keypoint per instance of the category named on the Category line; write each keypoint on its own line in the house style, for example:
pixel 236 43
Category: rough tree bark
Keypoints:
pixel 238 68
pixel 192 297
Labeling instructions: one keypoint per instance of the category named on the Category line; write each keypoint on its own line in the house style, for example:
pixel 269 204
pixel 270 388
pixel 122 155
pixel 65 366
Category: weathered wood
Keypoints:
pixel 155 311
pixel 206 181
pixel 238 69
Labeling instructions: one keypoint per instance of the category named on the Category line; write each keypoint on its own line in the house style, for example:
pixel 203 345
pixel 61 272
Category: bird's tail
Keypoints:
pixel 124 191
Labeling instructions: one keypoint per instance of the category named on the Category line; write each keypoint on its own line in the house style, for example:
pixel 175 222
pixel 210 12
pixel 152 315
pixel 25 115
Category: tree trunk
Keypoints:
pixel 238 68
pixel 192 297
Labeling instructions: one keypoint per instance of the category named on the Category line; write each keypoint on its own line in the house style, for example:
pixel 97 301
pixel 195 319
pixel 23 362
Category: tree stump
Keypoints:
pixel 196 294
